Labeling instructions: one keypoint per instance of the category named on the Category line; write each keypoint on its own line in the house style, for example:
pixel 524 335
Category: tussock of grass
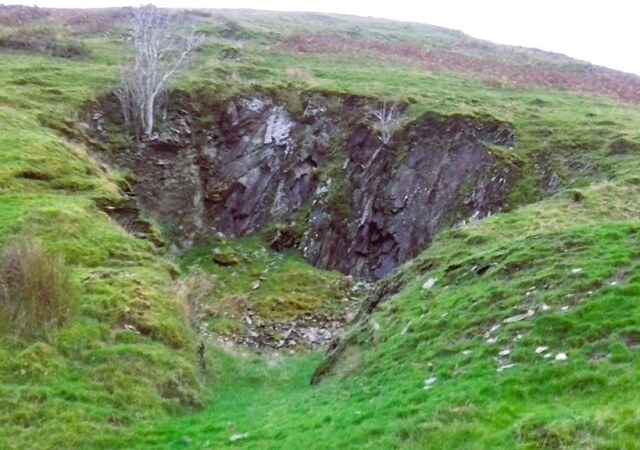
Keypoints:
pixel 194 292
pixel 37 295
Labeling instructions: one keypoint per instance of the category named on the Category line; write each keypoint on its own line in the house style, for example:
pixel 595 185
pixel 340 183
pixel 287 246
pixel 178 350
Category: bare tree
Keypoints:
pixel 387 119
pixel 160 49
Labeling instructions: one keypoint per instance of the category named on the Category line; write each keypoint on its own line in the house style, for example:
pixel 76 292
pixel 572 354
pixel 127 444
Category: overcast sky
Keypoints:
pixel 602 32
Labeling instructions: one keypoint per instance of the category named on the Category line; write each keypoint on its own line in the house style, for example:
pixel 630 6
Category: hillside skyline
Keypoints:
pixel 599 33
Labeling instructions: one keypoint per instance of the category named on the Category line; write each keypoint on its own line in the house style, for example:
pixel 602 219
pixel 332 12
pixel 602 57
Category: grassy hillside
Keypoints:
pixel 127 352
pixel 574 263
pixel 122 372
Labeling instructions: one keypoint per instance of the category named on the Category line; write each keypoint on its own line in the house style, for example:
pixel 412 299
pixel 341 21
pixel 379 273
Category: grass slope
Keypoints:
pixel 93 377
pixel 486 272
pixel 96 384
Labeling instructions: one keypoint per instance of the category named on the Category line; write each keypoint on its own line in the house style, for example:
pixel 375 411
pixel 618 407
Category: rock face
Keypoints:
pixel 321 180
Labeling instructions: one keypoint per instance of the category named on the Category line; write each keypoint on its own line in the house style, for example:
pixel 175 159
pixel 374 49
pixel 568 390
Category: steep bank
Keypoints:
pixel 322 179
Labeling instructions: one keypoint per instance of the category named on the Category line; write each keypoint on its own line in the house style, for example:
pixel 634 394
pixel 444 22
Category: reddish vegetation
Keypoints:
pixel 495 64
pixel 510 66
pixel 80 20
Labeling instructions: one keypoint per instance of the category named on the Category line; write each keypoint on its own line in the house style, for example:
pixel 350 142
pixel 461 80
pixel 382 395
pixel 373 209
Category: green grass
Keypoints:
pixel 285 285
pixel 91 377
pixel 376 397
pixel 97 383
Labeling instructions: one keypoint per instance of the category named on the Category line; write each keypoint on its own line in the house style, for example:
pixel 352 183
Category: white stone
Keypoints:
pixel 255 105
pixel 278 127
pixel 429 382
pixel 492 341
pixel 466 352
pixel 131 328
pixel 504 352
pixel 520 317
pixel 505 367
pixel 541 349
pixel 561 357
pixel 545 307
pixel 576 270
pixel 237 437
pixel 311 336
pixel 429 283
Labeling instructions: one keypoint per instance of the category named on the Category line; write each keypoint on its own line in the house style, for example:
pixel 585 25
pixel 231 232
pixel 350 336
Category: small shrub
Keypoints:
pixel 337 201
pixel 576 195
pixel 623 146
pixel 283 236
pixel 386 120
pixel 36 292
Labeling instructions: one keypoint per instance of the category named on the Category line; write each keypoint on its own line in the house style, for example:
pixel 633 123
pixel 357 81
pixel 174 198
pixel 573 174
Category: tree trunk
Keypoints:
pixel 148 116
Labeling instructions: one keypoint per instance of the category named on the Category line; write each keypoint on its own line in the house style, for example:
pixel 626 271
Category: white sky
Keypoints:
pixel 602 32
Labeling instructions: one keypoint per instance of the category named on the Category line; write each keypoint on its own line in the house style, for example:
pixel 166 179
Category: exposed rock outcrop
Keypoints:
pixel 321 180
pixel 399 196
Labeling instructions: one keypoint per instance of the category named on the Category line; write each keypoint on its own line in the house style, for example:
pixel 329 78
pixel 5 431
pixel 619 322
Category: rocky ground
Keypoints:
pixel 301 333
pixel 244 294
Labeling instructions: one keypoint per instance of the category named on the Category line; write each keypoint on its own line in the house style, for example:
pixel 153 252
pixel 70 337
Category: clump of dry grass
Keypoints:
pixel 194 292
pixel 36 291
pixel 300 75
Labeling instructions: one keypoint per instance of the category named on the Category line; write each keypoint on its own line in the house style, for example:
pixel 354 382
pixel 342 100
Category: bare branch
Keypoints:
pixel 160 50
pixel 386 121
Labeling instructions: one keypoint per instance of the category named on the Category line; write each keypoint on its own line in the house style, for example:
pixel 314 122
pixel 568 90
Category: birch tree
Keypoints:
pixel 387 119
pixel 160 50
